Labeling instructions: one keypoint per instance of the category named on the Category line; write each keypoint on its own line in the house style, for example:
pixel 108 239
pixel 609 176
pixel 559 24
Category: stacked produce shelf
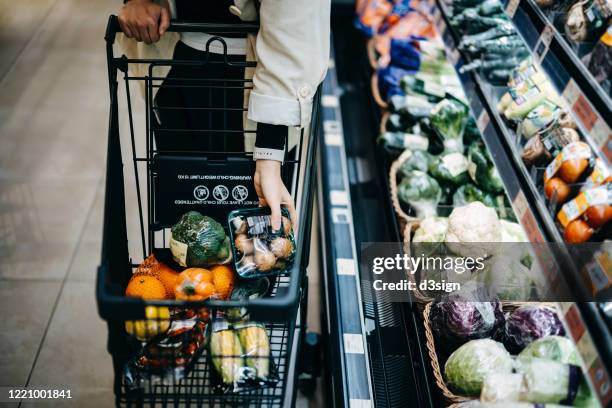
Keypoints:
pixel 582 322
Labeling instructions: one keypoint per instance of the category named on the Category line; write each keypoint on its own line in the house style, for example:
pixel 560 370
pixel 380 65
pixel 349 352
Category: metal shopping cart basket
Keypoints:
pixel 160 184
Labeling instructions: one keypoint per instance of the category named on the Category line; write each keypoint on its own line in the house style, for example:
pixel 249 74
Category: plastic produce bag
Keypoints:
pixel 198 240
pixel 449 118
pixel 421 192
pixel 502 387
pixel 244 290
pixel 371 14
pixel 464 316
pixel 167 358
pixel 259 251
pixel 469 365
pixel 418 160
pixel 389 79
pixel 256 348
pixel 529 323
pixel 549 381
pixel 405 54
pixel 555 348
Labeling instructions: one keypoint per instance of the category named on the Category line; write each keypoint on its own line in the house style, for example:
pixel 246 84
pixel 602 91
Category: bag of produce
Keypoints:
pixel 469 365
pixel 507 278
pixel 449 118
pixel 548 381
pixel 258 250
pixel 587 19
pixel 431 229
pixel 389 79
pixel 469 193
pixel 418 160
pixel 400 141
pixel 499 387
pixel 405 54
pixel 370 15
pixel 198 240
pixel 555 348
pixel 421 192
pixel 167 358
pixel 227 356
pixel 463 316
pixel 450 168
pixel 570 163
pixel 529 323
pixel 481 169
pixel 502 30
pixel 245 290
pixel 256 347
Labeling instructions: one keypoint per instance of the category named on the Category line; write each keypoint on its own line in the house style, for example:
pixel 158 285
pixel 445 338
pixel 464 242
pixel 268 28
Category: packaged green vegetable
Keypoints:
pixel 256 347
pixel 481 169
pixel 198 240
pixel 418 160
pixel 548 381
pixel 467 368
pixel 450 168
pixel 449 118
pixel 421 192
pixel 555 348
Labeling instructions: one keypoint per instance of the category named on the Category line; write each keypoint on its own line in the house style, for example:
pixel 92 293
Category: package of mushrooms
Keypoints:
pixel 259 250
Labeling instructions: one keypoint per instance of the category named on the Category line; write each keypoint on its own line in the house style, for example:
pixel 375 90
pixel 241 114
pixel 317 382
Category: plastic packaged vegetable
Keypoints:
pixel 450 168
pixel 259 251
pixel 449 118
pixel 469 365
pixel 556 348
pixel 256 347
pixel 226 354
pixel 421 192
pixel 529 323
pixel 548 381
pixel 418 160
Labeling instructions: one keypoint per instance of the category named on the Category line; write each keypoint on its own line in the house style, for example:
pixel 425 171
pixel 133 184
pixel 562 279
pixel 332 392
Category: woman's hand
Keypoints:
pixel 272 191
pixel 144 20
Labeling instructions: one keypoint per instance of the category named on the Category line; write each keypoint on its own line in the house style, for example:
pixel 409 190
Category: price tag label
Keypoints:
pixel 601 134
pixel 512 7
pixel 571 92
pixel 543 43
pixel 520 204
pixel 587 350
pixel 585 113
pixel 483 121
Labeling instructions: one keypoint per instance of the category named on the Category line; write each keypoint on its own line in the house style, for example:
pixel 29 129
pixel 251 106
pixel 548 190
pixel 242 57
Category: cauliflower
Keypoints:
pixel 473 230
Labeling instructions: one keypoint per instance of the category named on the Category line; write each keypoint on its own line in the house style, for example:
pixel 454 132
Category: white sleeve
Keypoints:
pixel 292 49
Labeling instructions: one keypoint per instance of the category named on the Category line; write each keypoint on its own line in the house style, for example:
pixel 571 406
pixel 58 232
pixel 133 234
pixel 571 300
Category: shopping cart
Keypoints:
pixel 176 181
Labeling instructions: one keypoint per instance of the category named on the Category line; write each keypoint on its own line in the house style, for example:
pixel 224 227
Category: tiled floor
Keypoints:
pixel 53 121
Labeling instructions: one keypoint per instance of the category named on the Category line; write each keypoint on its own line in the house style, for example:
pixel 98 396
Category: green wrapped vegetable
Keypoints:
pixel 418 160
pixel 198 240
pixel 450 168
pixel 507 278
pixel 508 45
pixel 403 140
pixel 226 354
pixel 469 365
pixel 244 290
pixel 556 348
pixel 471 133
pixel 502 30
pixel 468 193
pixel 470 22
pixel 256 347
pixel 550 382
pixel 449 118
pixel 482 170
pixel 421 192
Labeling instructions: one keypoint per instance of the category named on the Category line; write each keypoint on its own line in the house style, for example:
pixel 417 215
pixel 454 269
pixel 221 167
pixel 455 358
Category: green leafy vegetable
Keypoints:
pixel 482 170
pixel 421 192
pixel 198 240
pixel 450 168
pixel 449 118
pixel 418 160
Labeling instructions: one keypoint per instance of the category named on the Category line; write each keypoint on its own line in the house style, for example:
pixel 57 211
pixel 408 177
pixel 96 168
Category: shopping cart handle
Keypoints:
pixel 113 27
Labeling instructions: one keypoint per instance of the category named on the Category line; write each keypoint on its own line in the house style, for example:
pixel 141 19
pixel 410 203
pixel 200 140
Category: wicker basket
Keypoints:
pixel 376 93
pixel 450 397
pixel 404 218
pixel 372 54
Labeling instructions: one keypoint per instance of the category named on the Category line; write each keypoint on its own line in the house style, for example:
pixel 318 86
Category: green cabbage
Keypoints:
pixel 450 168
pixel 198 240
pixel 468 366
pixel 449 118
pixel 418 160
pixel 556 348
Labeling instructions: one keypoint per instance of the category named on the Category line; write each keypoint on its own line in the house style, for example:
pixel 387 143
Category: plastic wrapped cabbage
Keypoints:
pixel 556 348
pixel 529 323
pixel 449 118
pixel 507 278
pixel 502 387
pixel 473 230
pixel 512 232
pixel 469 365
pixel 482 170
pixel 460 318
pixel 198 240
pixel 469 193
pixel 418 160
pixel 548 381
pixel 450 169
pixel 421 192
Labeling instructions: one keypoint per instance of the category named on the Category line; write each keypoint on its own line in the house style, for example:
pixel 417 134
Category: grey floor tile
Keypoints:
pixel 26 307
pixel 74 352
pixel 40 224
pixel 18 19
pixel 84 398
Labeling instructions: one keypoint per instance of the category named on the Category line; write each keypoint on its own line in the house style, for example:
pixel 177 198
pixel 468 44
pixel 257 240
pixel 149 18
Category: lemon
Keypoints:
pixel 157 322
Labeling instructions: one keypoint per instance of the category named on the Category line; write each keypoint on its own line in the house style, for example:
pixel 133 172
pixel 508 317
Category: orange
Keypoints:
pixel 168 277
pixel 224 279
pixel 145 286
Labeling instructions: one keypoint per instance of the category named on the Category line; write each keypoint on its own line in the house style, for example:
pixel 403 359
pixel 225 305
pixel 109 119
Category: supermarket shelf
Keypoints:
pixel 589 102
pixel 374 349
pixel 584 322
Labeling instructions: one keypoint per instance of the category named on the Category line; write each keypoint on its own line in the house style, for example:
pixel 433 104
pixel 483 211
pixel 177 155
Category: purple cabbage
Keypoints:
pixel 529 323
pixel 459 319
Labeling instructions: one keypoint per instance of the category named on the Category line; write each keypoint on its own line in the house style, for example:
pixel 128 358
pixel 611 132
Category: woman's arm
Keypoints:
pixel 292 51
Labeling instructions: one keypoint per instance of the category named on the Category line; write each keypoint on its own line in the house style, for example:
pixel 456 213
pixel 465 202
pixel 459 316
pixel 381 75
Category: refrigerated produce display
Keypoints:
pixel 453 122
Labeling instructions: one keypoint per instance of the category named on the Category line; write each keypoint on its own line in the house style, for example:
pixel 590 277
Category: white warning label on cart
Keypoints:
pixel 353 343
